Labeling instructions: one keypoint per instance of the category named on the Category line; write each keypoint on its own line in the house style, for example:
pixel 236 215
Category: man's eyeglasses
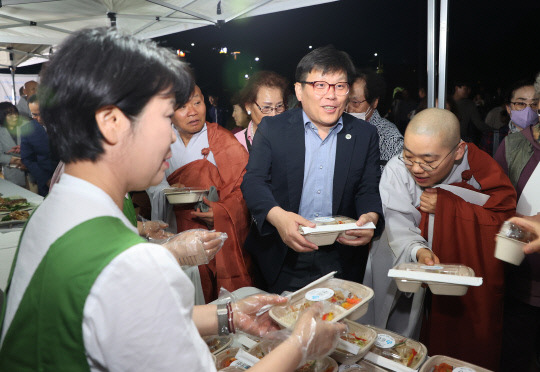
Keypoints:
pixel 425 166
pixel 269 109
pixel 322 87
pixel 522 105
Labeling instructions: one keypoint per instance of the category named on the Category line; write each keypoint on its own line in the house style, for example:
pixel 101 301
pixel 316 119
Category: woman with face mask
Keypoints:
pixel 364 96
pixel 519 156
pixel 522 106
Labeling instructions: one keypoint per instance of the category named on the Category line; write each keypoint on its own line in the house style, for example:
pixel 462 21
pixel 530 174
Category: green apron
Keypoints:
pixel 46 332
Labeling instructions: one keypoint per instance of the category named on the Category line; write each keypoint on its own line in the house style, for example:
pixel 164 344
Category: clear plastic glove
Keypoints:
pixel 315 337
pixel 195 247
pixel 154 229
pixel 245 314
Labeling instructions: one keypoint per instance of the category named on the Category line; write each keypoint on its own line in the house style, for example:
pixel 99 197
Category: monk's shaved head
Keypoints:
pixel 437 123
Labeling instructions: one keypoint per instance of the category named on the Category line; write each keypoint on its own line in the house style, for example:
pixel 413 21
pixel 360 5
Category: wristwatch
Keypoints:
pixel 223 320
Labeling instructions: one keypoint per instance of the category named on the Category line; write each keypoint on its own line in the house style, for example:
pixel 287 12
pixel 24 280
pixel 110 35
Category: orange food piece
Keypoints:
pixel 228 361
pixel 328 316
pixel 347 305
pixel 353 300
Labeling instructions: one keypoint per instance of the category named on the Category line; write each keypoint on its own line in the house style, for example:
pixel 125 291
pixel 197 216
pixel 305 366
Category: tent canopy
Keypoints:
pixel 48 22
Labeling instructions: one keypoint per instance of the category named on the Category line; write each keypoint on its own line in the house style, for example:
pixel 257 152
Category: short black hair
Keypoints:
pixel 97 68
pixel 6 108
pixel 375 86
pixel 327 59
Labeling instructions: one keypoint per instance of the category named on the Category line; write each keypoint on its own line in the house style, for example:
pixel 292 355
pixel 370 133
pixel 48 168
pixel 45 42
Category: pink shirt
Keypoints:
pixel 241 136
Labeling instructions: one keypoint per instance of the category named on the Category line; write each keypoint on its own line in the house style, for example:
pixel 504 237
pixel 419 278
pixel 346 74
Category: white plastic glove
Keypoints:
pixel 154 229
pixel 315 337
pixel 195 247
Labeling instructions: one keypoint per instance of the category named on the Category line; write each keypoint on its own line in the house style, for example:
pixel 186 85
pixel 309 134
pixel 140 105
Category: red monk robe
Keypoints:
pixel 230 268
pixel 470 327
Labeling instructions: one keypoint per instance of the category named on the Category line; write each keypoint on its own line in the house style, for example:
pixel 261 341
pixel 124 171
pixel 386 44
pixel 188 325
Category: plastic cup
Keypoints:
pixel 509 250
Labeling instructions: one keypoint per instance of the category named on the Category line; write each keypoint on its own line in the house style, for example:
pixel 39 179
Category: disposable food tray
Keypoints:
pixel 287 315
pixel 358 330
pixel 396 352
pixel 458 365
pixel 328 229
pixel 217 343
pixel 443 279
pixel 185 195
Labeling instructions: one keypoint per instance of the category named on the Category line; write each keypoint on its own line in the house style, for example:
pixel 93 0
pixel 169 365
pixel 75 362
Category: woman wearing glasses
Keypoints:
pixel 519 156
pixel 264 95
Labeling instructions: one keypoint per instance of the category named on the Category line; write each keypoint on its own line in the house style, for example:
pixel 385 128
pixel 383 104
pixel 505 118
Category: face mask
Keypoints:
pixel 359 115
pixel 524 118
pixel 362 115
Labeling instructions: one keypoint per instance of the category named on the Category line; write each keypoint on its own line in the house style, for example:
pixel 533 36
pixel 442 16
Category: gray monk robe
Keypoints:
pixel 400 195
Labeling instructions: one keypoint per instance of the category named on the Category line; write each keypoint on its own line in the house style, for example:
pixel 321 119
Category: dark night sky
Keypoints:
pixel 491 43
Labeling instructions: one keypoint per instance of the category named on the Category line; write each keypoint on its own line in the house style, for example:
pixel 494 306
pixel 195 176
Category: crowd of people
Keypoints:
pixel 87 291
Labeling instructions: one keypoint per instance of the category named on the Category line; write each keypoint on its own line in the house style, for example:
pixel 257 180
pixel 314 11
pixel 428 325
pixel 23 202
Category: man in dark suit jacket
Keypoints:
pixel 35 153
pixel 309 163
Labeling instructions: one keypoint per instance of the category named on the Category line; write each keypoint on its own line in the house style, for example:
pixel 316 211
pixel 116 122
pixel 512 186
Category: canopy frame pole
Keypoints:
pixel 182 10
pixel 443 31
pixel 431 53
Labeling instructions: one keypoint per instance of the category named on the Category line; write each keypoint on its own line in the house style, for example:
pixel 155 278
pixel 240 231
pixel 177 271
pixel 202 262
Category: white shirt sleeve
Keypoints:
pixel 137 316
pixel 400 196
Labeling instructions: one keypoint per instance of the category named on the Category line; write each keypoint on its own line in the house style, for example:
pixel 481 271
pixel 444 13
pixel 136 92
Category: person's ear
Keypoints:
pixel 460 151
pixel 298 90
pixel 508 109
pixel 112 123
pixel 375 103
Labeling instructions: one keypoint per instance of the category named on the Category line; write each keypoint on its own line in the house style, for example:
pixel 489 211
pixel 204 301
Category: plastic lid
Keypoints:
pixel 513 231
pixel 449 269
pixel 440 273
pixel 397 352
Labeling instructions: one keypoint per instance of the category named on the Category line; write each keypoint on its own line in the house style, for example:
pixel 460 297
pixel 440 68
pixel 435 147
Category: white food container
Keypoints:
pixel 443 279
pixel 458 365
pixel 392 351
pixel 225 355
pixel 328 229
pixel 266 346
pixel 510 241
pixel 333 288
pixel 358 330
pixel 509 250
pixel 361 366
pixel 185 195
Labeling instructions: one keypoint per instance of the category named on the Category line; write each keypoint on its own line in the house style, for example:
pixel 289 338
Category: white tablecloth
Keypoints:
pixel 9 235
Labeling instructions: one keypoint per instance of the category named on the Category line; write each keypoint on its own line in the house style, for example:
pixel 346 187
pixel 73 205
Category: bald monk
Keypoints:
pixel 430 225
pixel 204 155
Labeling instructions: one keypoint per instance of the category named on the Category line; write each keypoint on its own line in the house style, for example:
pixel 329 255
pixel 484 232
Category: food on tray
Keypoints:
pixel 400 352
pixel 316 366
pixel 16 216
pixel 443 367
pixel 227 362
pixel 354 339
pixel 217 343
pixel 13 204
pixel 342 299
